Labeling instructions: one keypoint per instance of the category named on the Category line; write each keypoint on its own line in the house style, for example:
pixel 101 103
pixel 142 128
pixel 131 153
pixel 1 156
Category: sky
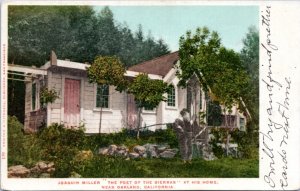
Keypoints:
pixel 171 22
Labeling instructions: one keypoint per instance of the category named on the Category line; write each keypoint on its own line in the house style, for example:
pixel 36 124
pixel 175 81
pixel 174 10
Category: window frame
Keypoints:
pixel 96 98
pixel 175 99
pixel 244 122
pixel 36 98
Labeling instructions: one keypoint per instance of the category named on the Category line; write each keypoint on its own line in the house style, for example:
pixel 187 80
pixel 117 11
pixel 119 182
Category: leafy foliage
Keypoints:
pixel 148 93
pixel 107 70
pixel 250 60
pixel 47 96
pixel 66 146
pixel 61 145
pixel 22 148
pixel 214 113
pixel 36 30
pixel 77 33
pixel 219 70
pixel 247 142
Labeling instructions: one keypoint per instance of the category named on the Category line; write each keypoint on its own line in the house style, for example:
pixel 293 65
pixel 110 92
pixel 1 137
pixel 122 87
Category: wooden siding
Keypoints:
pixel 112 121
pixel 27 104
pixel 55 108
pixel 113 118
pixel 149 119
pixel 159 115
pixel 33 118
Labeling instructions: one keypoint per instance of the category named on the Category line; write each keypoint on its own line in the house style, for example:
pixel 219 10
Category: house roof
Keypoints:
pixel 74 68
pixel 159 66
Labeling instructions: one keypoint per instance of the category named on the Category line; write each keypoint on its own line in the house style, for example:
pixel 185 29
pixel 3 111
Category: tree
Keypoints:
pixel 147 93
pixel 73 32
pixel 107 70
pixel 250 60
pixel 218 69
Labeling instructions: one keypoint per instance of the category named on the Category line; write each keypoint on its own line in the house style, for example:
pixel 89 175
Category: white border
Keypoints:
pixel 286 34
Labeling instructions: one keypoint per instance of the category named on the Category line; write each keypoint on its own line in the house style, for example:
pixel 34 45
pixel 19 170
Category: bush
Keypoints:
pixel 218 138
pixel 22 149
pixel 61 145
pixel 247 143
pixel 128 138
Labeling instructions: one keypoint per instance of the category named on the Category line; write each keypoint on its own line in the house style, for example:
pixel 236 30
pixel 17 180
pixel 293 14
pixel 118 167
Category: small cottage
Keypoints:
pixel 78 100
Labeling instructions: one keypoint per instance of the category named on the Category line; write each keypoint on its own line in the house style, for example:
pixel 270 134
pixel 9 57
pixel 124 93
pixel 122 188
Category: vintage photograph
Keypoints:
pixel 98 91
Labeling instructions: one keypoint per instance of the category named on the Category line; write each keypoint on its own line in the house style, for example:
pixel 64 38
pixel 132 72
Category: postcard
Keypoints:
pixel 150 95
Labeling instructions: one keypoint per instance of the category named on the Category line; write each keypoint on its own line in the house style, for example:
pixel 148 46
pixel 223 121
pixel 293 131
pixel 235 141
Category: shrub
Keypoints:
pixel 128 138
pixel 61 145
pixel 22 149
pixel 247 142
pixel 219 136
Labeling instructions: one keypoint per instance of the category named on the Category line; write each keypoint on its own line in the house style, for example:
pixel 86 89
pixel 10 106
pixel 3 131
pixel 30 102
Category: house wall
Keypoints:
pixel 149 118
pixel 113 118
pixel 238 115
pixel 34 118
pixel 28 94
pixel 55 83
pixel 169 114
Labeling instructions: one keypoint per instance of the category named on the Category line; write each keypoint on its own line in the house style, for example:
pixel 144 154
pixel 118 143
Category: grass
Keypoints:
pixel 102 166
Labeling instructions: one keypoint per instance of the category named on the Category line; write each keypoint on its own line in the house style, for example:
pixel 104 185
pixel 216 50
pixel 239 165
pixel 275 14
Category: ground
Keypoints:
pixel 173 168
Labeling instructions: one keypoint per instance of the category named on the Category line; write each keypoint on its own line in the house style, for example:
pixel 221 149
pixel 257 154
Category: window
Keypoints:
pixel 33 97
pixel 242 124
pixel 171 97
pixel 200 103
pixel 102 98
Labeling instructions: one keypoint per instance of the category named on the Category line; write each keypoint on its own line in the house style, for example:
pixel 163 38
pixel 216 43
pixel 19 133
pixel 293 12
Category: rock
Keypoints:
pixel 51 165
pixel 175 151
pixel 123 147
pixel 112 149
pixel 134 155
pixel 50 170
pixel 127 158
pixel 139 149
pixel 149 146
pixel 18 171
pixel 167 154
pixel 35 169
pixel 44 175
pixel 151 150
pixel 162 148
pixel 75 175
pixel 152 154
pixel 103 151
pixel 122 153
pixel 42 165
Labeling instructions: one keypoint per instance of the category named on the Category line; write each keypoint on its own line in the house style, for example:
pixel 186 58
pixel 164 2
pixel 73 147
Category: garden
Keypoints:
pixel 72 153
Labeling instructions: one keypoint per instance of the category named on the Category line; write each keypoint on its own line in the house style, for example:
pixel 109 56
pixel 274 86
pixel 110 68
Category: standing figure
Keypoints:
pixel 183 128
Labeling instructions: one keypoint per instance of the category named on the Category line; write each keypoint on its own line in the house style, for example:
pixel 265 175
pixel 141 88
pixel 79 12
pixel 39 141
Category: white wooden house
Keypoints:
pixel 78 101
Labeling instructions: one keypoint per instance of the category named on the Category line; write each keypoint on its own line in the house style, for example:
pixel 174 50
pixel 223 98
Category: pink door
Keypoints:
pixel 132 112
pixel 72 103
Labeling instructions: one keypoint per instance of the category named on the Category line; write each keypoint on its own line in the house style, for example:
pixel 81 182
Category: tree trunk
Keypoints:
pixel 101 106
pixel 227 143
pixel 100 119
pixel 139 123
